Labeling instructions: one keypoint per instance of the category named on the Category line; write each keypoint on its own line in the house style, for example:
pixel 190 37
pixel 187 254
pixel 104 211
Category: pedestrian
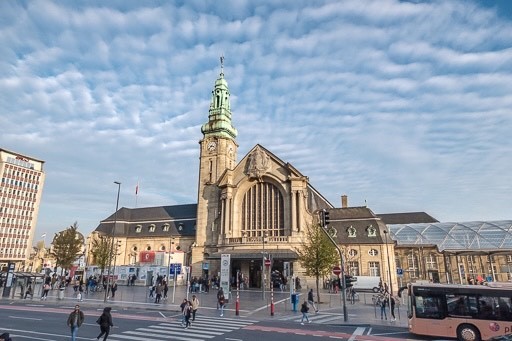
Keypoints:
pixel 383 304
pixel 187 311
pixel 5 337
pixel 182 306
pixel 105 322
pixel 304 310
pixel 221 301
pixel 151 291
pixel 75 320
pixel 392 306
pixel 80 294
pixel 195 306
pixel 220 292
pixel 46 289
pixel 166 289
pixel 114 289
pixel 311 300
pixel 29 292
pixel 158 291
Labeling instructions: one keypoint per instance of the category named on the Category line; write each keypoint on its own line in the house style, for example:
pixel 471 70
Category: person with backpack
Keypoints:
pixel 187 312
pixel 105 322
pixel 75 320
pixel 304 309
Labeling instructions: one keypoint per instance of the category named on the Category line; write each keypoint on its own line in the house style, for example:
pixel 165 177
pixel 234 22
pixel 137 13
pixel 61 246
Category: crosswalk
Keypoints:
pixel 203 328
pixel 314 318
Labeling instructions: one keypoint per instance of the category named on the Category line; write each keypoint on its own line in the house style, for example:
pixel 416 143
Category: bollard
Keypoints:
pixel 271 298
pixel 294 299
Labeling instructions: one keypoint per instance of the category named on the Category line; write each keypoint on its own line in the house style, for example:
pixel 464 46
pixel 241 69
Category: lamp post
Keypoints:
pixel 389 264
pixel 263 236
pixel 112 232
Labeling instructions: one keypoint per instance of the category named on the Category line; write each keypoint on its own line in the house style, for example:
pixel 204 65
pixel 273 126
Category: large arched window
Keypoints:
pixel 262 210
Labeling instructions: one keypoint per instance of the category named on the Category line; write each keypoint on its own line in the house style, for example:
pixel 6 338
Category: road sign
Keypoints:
pixel 399 271
pixel 267 262
pixel 174 268
pixel 336 270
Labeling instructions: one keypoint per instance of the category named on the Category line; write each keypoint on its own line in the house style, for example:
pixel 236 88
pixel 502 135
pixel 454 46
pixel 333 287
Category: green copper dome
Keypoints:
pixel 219 116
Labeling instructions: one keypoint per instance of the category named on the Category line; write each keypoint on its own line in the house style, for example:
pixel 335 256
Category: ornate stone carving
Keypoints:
pixel 258 164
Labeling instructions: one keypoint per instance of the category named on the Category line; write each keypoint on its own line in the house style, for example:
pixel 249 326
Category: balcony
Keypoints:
pixel 257 240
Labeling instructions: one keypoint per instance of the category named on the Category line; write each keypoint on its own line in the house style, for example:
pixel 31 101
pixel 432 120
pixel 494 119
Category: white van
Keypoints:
pixel 367 283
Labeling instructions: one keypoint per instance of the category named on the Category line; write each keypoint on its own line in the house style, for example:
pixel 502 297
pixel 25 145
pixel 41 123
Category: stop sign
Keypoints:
pixel 336 270
pixel 267 262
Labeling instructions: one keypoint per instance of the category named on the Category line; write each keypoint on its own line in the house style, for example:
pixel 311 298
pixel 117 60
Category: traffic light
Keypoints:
pixel 349 280
pixel 326 218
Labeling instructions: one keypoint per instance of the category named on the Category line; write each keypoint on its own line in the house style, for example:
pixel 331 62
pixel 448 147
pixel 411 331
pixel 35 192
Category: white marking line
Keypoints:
pixel 369 331
pixel 190 331
pixel 233 339
pixel 390 333
pixel 30 337
pixel 359 331
pixel 25 318
pixel 162 315
pixel 175 337
pixel 193 328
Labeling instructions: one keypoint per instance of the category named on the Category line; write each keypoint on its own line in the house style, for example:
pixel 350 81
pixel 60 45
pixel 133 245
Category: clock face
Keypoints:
pixel 211 146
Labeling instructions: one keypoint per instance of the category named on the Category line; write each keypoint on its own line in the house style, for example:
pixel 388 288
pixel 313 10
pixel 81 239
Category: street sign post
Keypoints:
pixel 336 270
pixel 267 262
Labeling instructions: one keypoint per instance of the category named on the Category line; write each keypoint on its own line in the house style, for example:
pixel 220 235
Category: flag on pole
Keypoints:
pixel 43 236
pixel 137 188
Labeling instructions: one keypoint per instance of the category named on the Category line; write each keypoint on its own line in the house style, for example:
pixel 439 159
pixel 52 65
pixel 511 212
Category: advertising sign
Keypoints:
pixel 147 256
pixel 225 265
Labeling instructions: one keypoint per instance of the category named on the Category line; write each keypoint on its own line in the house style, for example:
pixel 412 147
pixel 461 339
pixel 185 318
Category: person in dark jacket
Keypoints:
pixel 75 320
pixel 105 322
pixel 5 337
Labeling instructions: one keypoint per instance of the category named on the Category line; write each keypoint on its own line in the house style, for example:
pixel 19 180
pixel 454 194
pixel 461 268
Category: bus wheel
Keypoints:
pixel 467 332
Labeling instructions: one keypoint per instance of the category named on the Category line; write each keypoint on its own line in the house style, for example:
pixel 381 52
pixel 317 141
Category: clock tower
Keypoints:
pixel 218 150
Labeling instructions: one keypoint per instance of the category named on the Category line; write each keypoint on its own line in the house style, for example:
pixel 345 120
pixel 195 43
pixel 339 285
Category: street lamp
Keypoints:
pixel 112 232
pixel 389 264
pixel 264 235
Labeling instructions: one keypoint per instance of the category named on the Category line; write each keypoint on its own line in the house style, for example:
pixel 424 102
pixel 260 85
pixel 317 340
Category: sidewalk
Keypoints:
pixel 252 304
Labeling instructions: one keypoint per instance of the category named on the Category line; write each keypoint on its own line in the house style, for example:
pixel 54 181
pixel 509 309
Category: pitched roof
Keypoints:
pixel 407 218
pixel 181 220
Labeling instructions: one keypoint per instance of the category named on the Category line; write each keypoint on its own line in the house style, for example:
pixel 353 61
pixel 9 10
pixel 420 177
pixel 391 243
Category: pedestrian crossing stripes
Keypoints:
pixel 320 318
pixel 203 328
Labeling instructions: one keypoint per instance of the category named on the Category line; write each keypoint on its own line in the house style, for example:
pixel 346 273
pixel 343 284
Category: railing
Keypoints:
pixel 257 240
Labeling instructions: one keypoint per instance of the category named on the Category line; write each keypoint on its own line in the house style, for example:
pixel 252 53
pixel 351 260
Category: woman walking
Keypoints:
pixel 304 310
pixel 105 322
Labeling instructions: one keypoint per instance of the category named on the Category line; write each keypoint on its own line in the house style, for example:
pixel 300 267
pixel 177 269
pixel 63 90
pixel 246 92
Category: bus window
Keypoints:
pixel 457 305
pixel 430 307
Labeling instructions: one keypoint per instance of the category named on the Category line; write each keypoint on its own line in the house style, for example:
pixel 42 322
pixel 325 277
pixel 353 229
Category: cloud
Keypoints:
pixel 403 104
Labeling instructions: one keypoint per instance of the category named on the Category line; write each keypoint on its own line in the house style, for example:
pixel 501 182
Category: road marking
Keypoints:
pixel 162 315
pixel 25 318
pixel 359 331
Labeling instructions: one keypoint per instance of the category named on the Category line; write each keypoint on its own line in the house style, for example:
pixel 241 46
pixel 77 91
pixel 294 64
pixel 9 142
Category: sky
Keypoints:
pixel 403 106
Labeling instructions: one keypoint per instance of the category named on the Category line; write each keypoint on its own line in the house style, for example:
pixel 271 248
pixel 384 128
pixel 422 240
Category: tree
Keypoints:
pixel 101 252
pixel 67 246
pixel 317 254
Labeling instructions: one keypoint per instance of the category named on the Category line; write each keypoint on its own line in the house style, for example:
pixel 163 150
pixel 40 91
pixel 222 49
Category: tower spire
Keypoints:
pixel 222 64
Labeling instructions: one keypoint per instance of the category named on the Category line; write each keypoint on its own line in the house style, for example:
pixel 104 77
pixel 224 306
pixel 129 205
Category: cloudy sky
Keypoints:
pixel 404 105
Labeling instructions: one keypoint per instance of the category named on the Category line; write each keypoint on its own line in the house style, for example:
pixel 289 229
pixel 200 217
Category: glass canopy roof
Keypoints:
pixel 467 236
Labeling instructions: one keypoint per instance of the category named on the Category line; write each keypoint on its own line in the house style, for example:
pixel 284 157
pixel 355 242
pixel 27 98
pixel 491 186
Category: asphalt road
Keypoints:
pixel 47 322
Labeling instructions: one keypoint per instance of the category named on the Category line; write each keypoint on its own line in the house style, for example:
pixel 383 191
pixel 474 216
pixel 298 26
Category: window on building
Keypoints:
pixel 412 264
pixel 372 231
pixel 509 258
pixel 352 252
pixel 351 231
pixel 431 262
pixel 165 227
pixel 353 268
pixel 373 252
pixel 374 268
pixel 152 228
pixel 138 228
pixel 263 211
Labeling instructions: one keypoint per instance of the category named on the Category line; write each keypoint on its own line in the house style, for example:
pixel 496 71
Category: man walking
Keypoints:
pixel 311 300
pixel 195 306
pixel 75 320
pixel 304 310
pixel 221 301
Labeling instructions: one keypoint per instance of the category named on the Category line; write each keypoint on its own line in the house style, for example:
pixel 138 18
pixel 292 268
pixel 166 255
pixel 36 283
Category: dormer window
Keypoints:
pixel 351 232
pixel 138 228
pixel 180 227
pixel 152 228
pixel 165 227
pixel 372 231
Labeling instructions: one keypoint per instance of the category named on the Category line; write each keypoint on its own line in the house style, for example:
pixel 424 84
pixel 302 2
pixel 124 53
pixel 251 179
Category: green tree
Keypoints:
pixel 101 252
pixel 317 254
pixel 67 246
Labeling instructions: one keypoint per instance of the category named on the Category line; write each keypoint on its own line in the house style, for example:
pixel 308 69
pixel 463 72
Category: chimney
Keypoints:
pixel 344 201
